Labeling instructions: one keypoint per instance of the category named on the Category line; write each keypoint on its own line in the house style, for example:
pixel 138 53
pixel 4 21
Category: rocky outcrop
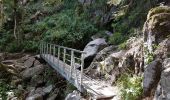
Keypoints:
pixel 33 80
pixel 156 27
pixel 163 88
pixel 157 46
pixel 152 75
pixel 92 48
pixel 29 63
pixel 30 72
pixel 110 63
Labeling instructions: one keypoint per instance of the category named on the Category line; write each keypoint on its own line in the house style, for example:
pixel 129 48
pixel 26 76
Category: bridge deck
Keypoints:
pixel 94 87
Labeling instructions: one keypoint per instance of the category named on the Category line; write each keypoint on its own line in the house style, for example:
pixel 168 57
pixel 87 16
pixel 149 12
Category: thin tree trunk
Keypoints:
pixel 1 13
pixel 15 27
pixel 15 19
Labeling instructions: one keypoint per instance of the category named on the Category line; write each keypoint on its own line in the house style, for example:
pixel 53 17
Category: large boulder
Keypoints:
pixel 75 95
pixel 30 72
pixel 162 50
pixel 35 97
pixel 30 62
pixel 163 89
pixel 157 26
pixel 37 80
pixel 110 62
pixel 152 76
pixel 92 48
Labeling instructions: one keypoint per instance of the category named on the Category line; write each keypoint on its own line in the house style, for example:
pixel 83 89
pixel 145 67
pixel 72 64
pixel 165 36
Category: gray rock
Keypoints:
pixel 54 94
pixel 30 72
pixel 92 48
pixel 53 97
pixel 29 63
pixel 163 49
pixel 48 89
pixel 40 91
pixel 35 97
pixel 151 76
pixel 158 92
pixel 108 33
pixel 36 63
pixel 165 83
pixel 75 95
pixel 166 63
pixel 37 80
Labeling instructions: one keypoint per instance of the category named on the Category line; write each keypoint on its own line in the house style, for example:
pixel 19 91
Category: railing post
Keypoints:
pixel 41 48
pixel 64 58
pixel 47 50
pixel 58 56
pixel 82 68
pixel 53 53
pixel 72 57
pixel 44 48
pixel 50 52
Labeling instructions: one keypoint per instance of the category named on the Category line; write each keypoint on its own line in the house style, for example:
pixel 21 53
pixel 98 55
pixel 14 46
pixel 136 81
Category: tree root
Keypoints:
pixel 8 69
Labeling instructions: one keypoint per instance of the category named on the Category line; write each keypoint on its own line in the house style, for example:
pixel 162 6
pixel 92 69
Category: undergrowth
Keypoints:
pixel 131 87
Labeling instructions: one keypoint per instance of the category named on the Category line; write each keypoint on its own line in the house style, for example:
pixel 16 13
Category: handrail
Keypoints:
pixel 71 49
pixel 49 50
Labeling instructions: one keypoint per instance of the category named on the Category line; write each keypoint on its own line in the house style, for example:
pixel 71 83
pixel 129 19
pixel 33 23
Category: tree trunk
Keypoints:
pixel 15 19
pixel 1 14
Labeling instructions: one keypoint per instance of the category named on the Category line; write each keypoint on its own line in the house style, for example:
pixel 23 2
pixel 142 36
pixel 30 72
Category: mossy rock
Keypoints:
pixel 158 21
pixel 158 10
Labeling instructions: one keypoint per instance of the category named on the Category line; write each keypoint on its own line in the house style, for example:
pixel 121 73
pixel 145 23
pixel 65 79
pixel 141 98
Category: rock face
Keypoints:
pixel 30 72
pixel 157 46
pixel 29 63
pixel 163 49
pixel 156 27
pixel 151 77
pixel 110 63
pixel 163 89
pixel 92 48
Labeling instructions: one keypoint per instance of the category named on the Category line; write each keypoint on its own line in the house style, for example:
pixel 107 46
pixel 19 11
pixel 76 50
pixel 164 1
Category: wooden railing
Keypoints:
pixel 73 58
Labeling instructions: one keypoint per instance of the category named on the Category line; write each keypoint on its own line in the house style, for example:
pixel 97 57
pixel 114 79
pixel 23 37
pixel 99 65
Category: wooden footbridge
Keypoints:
pixel 69 63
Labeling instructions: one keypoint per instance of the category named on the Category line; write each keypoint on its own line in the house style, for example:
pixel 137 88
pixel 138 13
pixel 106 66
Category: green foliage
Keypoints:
pixel 70 88
pixel 133 15
pixel 122 46
pixel 131 87
pixel 117 38
pixel 4 87
pixel 66 28
pixel 150 58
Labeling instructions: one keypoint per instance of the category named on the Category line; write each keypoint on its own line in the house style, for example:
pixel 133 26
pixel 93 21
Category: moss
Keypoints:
pixel 157 10
pixel 122 46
